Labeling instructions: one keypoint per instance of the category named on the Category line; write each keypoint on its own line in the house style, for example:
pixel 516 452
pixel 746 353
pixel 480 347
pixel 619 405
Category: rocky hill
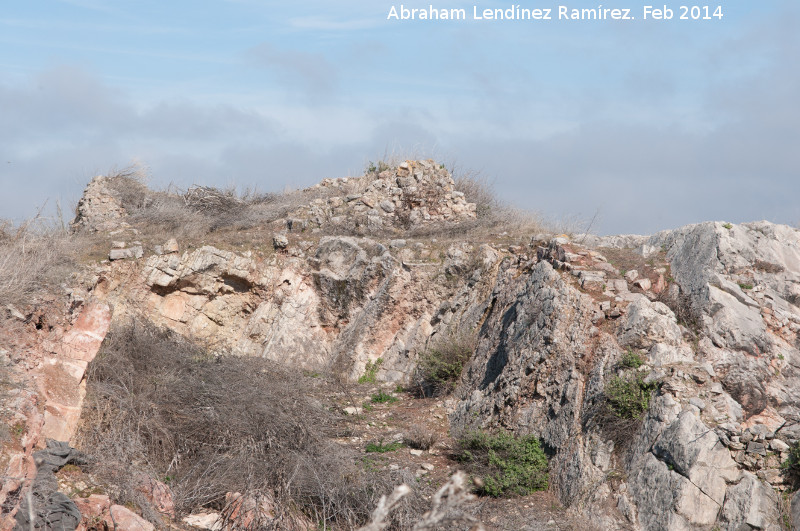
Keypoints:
pixel 660 373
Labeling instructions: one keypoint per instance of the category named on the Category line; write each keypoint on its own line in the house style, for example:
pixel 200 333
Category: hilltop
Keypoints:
pixel 283 360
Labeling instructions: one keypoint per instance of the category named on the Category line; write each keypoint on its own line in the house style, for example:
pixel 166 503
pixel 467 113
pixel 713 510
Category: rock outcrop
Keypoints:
pixel 706 318
pixel 709 449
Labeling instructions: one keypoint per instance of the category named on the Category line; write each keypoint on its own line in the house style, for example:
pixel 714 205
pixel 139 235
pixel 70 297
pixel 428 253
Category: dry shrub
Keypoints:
pixel 211 426
pixel 130 186
pixel 439 367
pixel 34 257
pixel 683 305
pixel 420 438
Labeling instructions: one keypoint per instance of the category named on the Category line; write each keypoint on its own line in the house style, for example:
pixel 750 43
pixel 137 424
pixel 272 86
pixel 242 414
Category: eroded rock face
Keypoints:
pixel 714 318
pixel 702 455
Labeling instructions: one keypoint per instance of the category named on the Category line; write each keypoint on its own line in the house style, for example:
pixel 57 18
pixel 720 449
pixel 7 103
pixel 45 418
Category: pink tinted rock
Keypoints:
pixel 124 519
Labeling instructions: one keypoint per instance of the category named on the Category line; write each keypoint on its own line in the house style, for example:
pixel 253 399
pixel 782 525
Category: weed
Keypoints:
pixel 370 371
pixel 628 397
pixel 383 398
pixel 745 285
pixel 504 464
pixel 381 448
pixel 631 360
pixel 623 406
pixel 399 388
pixel 727 226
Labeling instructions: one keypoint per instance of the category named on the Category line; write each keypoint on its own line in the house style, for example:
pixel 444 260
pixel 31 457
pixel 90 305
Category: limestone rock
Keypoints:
pixel 751 503
pixel 648 323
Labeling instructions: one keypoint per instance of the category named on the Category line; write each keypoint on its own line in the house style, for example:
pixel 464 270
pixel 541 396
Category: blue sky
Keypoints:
pixel 648 124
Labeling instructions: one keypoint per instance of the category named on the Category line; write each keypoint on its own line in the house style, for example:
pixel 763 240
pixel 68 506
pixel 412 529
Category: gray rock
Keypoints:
pixel 795 510
pixel 648 323
pixel 280 241
pixel 129 253
pixel 696 453
pixel 756 448
pixel 750 503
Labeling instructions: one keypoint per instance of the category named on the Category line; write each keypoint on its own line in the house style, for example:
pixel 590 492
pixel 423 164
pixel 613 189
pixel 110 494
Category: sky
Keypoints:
pixel 639 125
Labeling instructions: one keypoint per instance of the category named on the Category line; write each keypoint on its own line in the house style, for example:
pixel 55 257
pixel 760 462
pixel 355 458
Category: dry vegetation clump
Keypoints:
pixel 215 425
pixel 494 220
pixel 34 257
pixel 420 438
pixel 201 211
pixel 439 367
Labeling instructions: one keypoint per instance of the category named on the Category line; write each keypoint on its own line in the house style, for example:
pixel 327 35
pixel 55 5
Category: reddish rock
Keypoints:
pixel 660 284
pixel 123 519
pixel 158 494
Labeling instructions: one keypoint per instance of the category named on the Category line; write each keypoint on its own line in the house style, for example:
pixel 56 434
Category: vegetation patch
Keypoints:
pixel 370 371
pixel 159 404
pixel 503 464
pixel 628 396
pixel 439 367
pixel 624 404
pixel 631 360
pixel 383 398
pixel 381 448
pixel 420 438
pixel 792 463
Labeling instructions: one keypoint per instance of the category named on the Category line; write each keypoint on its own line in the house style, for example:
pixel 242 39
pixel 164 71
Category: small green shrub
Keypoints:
pixel 727 226
pixel 631 360
pixel 381 448
pixel 504 464
pixel 628 397
pixel 792 463
pixel 383 398
pixel 745 285
pixel 370 371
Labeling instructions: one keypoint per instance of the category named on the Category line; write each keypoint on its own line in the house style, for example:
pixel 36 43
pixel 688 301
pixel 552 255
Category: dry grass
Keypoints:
pixel 421 438
pixel 34 257
pixel 163 405
pixel 202 212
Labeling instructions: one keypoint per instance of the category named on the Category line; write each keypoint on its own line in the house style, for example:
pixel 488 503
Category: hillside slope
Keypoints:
pixel 660 373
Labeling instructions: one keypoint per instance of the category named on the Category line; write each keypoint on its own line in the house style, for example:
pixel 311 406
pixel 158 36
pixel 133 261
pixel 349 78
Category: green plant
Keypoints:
pixel 382 398
pixel 399 388
pixel 727 226
pixel 370 371
pixel 631 360
pixel 504 464
pixel 745 285
pixel 381 448
pixel 628 397
pixel 792 463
